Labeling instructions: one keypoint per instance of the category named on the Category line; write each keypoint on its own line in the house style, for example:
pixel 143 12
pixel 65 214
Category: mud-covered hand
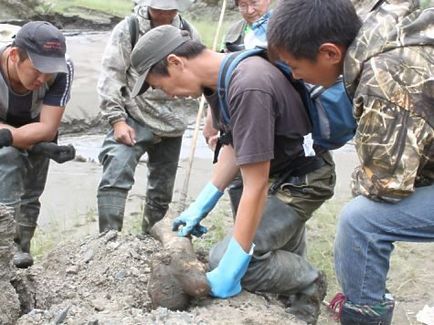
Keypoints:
pixel 5 138
pixel 225 279
pixel 53 151
pixel 190 218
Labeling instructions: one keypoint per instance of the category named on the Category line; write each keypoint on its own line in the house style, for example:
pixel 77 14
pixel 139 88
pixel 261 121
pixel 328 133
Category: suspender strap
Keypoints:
pixel 224 139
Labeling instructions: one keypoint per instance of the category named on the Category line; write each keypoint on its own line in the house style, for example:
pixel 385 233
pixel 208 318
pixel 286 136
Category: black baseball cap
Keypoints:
pixel 151 48
pixel 45 45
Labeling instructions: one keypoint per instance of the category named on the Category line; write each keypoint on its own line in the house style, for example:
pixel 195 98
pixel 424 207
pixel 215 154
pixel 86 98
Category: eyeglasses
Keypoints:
pixel 244 7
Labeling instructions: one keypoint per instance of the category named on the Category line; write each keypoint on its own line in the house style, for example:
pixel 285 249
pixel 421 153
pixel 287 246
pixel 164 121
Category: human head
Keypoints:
pixel 312 37
pixel 162 12
pixel 160 52
pixel 44 45
pixel 36 53
pixel 252 10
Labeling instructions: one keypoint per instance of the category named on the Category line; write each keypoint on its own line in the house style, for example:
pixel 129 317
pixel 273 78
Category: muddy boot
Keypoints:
pixel 23 236
pixel 111 208
pixel 150 218
pixel 235 190
pixel 354 314
pixel 306 304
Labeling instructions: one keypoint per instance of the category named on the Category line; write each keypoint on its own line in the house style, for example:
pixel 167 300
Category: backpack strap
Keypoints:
pixel 227 67
pixel 185 25
pixel 377 5
pixel 134 29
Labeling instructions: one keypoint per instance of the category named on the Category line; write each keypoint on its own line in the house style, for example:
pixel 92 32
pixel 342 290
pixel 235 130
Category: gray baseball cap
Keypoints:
pixel 150 49
pixel 45 45
pixel 179 5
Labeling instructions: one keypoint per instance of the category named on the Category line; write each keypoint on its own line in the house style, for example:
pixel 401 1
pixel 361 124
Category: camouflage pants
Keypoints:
pixel 22 181
pixel 120 161
pixel 278 264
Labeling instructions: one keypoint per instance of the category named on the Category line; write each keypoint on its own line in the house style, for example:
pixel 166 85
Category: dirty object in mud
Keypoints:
pixel 176 274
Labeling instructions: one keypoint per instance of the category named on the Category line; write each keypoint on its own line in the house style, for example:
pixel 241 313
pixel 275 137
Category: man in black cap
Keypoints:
pixel 153 123
pixel 35 85
pixel 269 126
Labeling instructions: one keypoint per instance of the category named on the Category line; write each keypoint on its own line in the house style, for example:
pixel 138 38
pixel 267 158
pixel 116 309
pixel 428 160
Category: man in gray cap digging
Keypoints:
pixel 152 123
pixel 35 85
pixel 266 130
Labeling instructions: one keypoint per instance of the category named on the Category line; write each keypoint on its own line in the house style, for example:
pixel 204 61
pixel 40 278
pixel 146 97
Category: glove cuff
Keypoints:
pixel 208 197
pixel 6 136
pixel 225 280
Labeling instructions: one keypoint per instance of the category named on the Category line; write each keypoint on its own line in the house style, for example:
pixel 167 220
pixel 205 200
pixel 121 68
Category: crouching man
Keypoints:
pixel 388 68
pixel 35 85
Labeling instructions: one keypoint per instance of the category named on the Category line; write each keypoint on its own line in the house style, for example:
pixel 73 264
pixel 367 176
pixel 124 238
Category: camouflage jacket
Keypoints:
pixel 234 38
pixel 163 115
pixel 389 72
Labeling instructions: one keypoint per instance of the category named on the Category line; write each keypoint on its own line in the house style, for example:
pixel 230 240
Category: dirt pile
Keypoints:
pixel 9 304
pixel 103 280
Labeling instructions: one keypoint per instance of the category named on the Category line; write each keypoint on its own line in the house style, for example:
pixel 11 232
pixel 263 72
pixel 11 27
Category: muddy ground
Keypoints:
pixel 83 278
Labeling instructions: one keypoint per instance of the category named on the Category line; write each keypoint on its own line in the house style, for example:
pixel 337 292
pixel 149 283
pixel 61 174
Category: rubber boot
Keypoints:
pixel 380 314
pixel 235 190
pixel 306 304
pixel 150 218
pixel 111 209
pixel 23 237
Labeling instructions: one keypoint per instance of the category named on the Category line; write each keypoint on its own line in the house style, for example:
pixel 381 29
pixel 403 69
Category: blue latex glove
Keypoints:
pixel 190 218
pixel 225 279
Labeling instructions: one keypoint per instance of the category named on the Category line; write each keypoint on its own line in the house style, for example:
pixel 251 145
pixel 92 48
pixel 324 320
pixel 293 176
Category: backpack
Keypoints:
pixel 330 109
pixel 134 28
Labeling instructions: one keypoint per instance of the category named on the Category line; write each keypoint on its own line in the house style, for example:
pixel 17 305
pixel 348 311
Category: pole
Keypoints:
pixel 183 195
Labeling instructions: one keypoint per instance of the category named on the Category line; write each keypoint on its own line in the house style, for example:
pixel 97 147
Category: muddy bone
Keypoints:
pixel 176 274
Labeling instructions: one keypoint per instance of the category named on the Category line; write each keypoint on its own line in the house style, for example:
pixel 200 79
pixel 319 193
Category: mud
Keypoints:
pixel 103 280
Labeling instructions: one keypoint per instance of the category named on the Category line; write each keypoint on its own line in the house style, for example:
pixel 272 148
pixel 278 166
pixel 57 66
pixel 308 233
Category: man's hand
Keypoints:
pixel 5 138
pixel 123 133
pixel 210 134
pixel 225 279
pixel 190 219
pixel 53 151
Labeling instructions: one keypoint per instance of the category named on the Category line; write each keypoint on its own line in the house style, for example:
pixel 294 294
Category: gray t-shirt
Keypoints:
pixel 267 117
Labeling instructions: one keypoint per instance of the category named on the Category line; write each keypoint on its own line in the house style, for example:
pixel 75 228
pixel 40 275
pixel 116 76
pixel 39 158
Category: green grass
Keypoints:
pixel 207 30
pixel 206 27
pixel 118 8
pixel 321 230
pixel 425 3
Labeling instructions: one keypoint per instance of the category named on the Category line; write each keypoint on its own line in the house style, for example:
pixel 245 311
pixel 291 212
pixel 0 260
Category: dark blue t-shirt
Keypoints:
pixel 20 109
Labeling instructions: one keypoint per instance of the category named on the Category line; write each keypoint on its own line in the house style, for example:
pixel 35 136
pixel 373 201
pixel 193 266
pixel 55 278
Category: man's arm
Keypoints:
pixel 112 83
pixel 249 213
pixel 43 131
pixel 225 169
pixel 223 173
pixel 225 279
pixel 390 144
